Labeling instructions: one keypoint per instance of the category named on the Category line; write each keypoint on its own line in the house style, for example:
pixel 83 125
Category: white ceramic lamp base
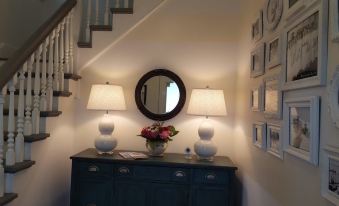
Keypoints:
pixel 105 142
pixel 205 148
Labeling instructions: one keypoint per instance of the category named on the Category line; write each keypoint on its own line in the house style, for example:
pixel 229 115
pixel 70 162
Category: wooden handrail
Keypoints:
pixel 8 70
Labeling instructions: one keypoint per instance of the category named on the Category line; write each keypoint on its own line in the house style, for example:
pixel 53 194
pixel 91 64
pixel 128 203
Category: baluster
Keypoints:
pixel 96 12
pixel 28 111
pixel 62 56
pixel 107 13
pixel 2 170
pixel 56 59
pixel 125 4
pixel 10 153
pixel 43 98
pixel 71 61
pixel 36 98
pixel 50 72
pixel 117 4
pixel 19 139
pixel 67 41
pixel 88 30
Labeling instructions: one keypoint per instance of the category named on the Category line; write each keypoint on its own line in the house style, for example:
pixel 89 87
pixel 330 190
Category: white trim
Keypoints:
pixel 330 152
pixel 335 20
pixel 280 9
pixel 280 153
pixel 333 97
pixel 272 64
pixel 320 79
pixel 260 99
pixel 313 103
pixel 261 29
pixel 278 114
pixel 260 50
pixel 297 8
pixel 262 125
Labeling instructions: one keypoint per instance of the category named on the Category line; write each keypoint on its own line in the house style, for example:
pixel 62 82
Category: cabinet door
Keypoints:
pixel 131 194
pixel 205 195
pixel 93 193
pixel 169 195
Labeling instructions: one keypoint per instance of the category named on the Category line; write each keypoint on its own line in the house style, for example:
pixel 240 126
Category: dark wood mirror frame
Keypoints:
pixel 138 97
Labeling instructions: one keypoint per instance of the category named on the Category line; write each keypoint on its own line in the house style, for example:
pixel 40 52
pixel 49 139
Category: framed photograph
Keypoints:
pixel 335 20
pixel 257 28
pixel 273 52
pixel 305 51
pixel 274 140
pixel 272 13
pixel 258 61
pixel 272 97
pixel 295 7
pixel 257 99
pixel 301 128
pixel 333 97
pixel 259 135
pixel 330 175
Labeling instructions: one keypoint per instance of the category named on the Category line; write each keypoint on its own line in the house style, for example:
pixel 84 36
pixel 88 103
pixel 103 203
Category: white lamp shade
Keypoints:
pixel 207 102
pixel 106 97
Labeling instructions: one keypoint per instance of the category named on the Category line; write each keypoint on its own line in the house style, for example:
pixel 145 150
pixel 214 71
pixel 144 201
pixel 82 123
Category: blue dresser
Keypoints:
pixel 171 180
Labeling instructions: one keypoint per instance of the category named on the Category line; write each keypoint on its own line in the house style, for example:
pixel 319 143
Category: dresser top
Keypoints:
pixel 169 159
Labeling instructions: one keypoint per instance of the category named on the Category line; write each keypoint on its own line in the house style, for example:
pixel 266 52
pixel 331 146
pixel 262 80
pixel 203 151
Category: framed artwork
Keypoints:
pixel 274 140
pixel 259 135
pixel 273 52
pixel 257 99
pixel 301 128
pixel 258 61
pixel 272 97
pixel 305 51
pixel 335 20
pixel 333 97
pixel 330 175
pixel 272 14
pixel 257 28
pixel 295 7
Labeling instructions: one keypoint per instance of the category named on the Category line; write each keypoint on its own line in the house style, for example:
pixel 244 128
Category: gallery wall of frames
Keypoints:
pixel 290 40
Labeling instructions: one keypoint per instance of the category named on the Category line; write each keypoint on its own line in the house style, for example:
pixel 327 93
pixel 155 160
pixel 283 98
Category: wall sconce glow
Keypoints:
pixel 108 98
pixel 206 102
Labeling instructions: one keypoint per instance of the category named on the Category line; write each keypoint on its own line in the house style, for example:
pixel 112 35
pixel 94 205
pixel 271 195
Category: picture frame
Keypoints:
pixel 256 99
pixel 330 174
pixel 272 14
pixel 301 128
pixel 295 7
pixel 305 62
pixel 259 135
pixel 333 97
pixel 335 20
pixel 258 61
pixel 273 52
pixel 272 97
pixel 275 140
pixel 257 28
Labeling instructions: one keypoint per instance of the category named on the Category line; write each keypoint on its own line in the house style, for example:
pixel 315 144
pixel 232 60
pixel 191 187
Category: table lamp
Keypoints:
pixel 206 102
pixel 106 97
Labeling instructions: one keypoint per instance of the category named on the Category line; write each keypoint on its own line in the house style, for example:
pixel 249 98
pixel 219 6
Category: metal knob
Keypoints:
pixel 124 170
pixel 180 174
pixel 210 176
pixel 93 168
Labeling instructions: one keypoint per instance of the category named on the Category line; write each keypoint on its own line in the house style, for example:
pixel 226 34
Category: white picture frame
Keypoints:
pixel 333 97
pixel 301 128
pixel 272 96
pixel 257 29
pixel 293 10
pixel 310 69
pixel 259 135
pixel 273 52
pixel 275 140
pixel 258 61
pixel 329 176
pixel 257 99
pixel 335 20
pixel 275 8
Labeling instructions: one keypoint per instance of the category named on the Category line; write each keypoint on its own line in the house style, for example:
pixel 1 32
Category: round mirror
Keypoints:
pixel 160 94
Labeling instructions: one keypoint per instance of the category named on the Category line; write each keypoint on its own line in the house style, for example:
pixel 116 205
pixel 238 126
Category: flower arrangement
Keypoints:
pixel 158 132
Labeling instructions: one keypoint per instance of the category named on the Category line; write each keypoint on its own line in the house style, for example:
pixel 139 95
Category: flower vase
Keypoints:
pixel 156 148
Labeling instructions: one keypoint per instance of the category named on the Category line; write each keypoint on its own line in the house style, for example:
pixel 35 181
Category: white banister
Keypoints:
pixel 71 60
pixel 126 4
pixel 96 12
pixel 107 13
pixel 50 72
pixel 43 98
pixel 2 170
pixel 62 56
pixel 10 153
pixel 67 42
pixel 117 4
pixel 19 139
pixel 88 23
pixel 36 98
pixel 28 101
pixel 56 59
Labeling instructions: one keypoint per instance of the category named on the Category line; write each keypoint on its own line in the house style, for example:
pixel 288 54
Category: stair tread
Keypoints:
pixel 42 113
pixel 74 77
pixel 8 197
pixel 55 93
pixel 19 166
pixel 101 27
pixel 31 138
pixel 122 10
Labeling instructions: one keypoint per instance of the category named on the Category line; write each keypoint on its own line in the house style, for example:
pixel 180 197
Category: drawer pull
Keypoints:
pixel 210 176
pixel 180 174
pixel 124 170
pixel 93 168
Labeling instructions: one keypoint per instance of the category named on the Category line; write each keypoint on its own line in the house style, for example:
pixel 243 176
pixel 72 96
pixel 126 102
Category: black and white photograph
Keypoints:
pixel 259 134
pixel 258 61
pixel 333 173
pixel 330 174
pixel 333 97
pixel 273 52
pixel 257 28
pixel 300 128
pixel 274 142
pixel 272 97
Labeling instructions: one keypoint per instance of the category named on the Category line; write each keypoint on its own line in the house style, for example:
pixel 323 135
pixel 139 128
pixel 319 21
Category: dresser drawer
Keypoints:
pixel 94 169
pixel 211 176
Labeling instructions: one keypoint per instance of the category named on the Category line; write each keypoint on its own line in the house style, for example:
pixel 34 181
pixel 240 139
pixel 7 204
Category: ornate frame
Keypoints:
pixel 273 25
